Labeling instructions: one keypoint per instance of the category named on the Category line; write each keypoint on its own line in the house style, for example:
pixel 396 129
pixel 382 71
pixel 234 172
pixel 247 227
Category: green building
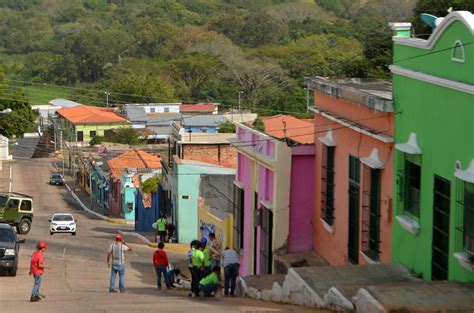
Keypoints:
pixel 82 123
pixel 433 204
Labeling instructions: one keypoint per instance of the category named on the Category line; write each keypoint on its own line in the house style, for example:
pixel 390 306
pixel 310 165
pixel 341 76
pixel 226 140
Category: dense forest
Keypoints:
pixel 196 50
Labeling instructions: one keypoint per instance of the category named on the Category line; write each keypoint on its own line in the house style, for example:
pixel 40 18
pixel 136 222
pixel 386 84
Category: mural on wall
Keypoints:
pixel 146 199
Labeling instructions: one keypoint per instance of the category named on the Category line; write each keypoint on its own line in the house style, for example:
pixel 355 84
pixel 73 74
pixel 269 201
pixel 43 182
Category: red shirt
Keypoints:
pixel 36 258
pixel 160 258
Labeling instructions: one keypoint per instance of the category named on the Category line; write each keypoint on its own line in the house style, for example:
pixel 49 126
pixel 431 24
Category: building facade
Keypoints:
pixel 433 88
pixel 273 197
pixel 354 169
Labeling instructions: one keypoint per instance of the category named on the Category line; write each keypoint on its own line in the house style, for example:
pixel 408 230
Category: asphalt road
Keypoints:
pixel 78 279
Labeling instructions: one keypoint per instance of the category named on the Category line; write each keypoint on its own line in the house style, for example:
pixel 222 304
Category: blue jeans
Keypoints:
pixel 159 270
pixel 36 286
pixel 215 262
pixel 120 269
pixel 231 272
pixel 207 289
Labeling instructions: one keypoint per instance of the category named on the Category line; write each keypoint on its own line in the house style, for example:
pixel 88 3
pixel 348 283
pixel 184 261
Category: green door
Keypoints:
pixel 11 210
pixel 354 196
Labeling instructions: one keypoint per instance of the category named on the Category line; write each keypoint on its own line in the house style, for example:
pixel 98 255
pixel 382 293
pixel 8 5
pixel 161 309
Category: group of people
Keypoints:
pixel 163 227
pixel 205 260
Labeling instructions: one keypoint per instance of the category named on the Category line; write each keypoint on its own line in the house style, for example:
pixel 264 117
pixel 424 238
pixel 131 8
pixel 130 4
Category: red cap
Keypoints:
pixel 118 237
pixel 42 245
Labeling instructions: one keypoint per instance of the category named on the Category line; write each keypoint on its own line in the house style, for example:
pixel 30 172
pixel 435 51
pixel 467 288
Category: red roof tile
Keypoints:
pixel 197 108
pixel 300 131
pixel 133 159
pixel 84 114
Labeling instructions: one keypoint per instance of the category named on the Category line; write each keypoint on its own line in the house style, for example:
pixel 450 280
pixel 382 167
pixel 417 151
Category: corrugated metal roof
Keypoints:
pixel 203 120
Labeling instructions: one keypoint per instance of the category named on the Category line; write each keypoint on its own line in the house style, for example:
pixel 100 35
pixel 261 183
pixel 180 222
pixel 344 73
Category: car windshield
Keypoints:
pixel 6 235
pixel 62 218
pixel 3 200
pixel 56 177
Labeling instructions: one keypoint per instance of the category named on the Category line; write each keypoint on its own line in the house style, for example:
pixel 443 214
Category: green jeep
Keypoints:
pixel 16 209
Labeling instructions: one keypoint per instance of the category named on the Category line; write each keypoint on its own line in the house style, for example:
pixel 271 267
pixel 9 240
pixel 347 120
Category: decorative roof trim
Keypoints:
pixel 432 79
pixel 466 175
pixel 328 140
pixel 410 147
pixel 378 136
pixel 464 16
pixel 373 160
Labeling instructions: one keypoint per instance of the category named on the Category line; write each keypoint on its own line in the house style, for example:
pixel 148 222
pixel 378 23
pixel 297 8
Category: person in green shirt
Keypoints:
pixel 197 261
pixel 161 228
pixel 207 257
pixel 209 284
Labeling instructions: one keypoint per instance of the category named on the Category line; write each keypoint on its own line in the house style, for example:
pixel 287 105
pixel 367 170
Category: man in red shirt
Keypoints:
pixel 37 269
pixel 160 261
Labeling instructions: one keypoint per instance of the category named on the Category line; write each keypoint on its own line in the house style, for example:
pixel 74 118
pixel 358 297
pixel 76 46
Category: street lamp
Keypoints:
pixel 240 92
pixel 107 94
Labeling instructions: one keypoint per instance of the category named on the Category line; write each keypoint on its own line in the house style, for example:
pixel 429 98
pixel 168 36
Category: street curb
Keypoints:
pixel 103 217
pixel 170 247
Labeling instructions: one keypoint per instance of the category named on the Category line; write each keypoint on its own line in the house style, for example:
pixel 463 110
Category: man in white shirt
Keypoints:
pixel 116 253
pixel 231 264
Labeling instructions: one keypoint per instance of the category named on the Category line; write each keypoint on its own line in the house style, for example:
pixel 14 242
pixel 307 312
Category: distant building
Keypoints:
pixel 199 108
pixel 82 123
pixel 433 89
pixel 354 169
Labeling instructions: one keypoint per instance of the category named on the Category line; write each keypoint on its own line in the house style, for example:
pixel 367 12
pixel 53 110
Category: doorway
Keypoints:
pixel 440 246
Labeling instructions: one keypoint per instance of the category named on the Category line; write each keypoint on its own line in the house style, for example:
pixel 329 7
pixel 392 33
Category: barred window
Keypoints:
pixel 409 181
pixel 327 185
pixel 371 213
pixel 465 218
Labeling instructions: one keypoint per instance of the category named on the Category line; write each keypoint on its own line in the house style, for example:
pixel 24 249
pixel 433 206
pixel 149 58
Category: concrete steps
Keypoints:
pixel 362 288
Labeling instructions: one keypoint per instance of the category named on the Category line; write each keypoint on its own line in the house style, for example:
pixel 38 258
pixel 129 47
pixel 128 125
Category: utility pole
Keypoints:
pixel 241 116
pixel 307 100
pixel 107 94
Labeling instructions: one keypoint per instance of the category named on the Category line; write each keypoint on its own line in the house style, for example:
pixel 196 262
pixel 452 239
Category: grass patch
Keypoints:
pixel 42 94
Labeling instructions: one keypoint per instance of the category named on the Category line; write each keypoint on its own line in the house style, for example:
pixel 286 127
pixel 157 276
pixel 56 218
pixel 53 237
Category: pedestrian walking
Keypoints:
pixel 37 268
pixel 170 228
pixel 116 261
pixel 215 247
pixel 209 284
pixel 160 261
pixel 161 228
pixel 231 263
pixel 197 258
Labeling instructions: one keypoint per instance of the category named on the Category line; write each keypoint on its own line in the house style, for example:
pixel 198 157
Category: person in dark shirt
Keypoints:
pixel 170 228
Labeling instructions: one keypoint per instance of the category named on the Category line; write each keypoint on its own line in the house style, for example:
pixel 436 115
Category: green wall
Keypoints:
pixel 442 118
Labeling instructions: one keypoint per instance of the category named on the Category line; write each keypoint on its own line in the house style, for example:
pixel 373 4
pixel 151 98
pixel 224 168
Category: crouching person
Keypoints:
pixel 209 284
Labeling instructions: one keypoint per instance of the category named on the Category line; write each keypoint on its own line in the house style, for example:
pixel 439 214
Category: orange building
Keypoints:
pixel 354 162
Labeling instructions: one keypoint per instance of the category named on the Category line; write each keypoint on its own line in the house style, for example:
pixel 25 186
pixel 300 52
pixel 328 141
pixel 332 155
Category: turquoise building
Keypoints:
pixel 185 190
pixel 433 200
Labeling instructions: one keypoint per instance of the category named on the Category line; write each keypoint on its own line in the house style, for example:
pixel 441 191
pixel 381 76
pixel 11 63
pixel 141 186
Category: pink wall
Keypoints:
pixel 301 199
pixel 244 174
pixel 333 246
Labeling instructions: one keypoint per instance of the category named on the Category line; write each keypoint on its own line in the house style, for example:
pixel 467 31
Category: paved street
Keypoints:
pixel 78 280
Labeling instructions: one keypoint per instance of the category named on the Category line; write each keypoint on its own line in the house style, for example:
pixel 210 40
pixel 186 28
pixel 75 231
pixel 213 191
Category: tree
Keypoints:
pixel 437 8
pixel 261 29
pixel 97 140
pixel 258 124
pixel 127 136
pixel 150 185
pixel 227 127
pixel 22 117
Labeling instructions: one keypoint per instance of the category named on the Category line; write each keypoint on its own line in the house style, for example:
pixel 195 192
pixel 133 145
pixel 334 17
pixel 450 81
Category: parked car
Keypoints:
pixel 56 179
pixel 9 249
pixel 16 209
pixel 62 223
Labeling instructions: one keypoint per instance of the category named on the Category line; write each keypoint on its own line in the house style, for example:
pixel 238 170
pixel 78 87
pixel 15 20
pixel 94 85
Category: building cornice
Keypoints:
pixel 464 16
pixel 443 82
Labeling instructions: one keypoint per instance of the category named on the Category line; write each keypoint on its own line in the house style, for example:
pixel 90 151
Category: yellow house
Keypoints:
pixel 82 123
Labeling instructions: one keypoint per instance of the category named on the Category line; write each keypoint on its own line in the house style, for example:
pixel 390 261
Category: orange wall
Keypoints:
pixel 333 247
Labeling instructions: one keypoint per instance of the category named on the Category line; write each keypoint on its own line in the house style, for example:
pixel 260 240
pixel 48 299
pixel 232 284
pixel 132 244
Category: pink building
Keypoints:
pixel 274 191
pixel 354 170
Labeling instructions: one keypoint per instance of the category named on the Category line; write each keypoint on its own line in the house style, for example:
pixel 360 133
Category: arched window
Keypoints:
pixel 458 51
